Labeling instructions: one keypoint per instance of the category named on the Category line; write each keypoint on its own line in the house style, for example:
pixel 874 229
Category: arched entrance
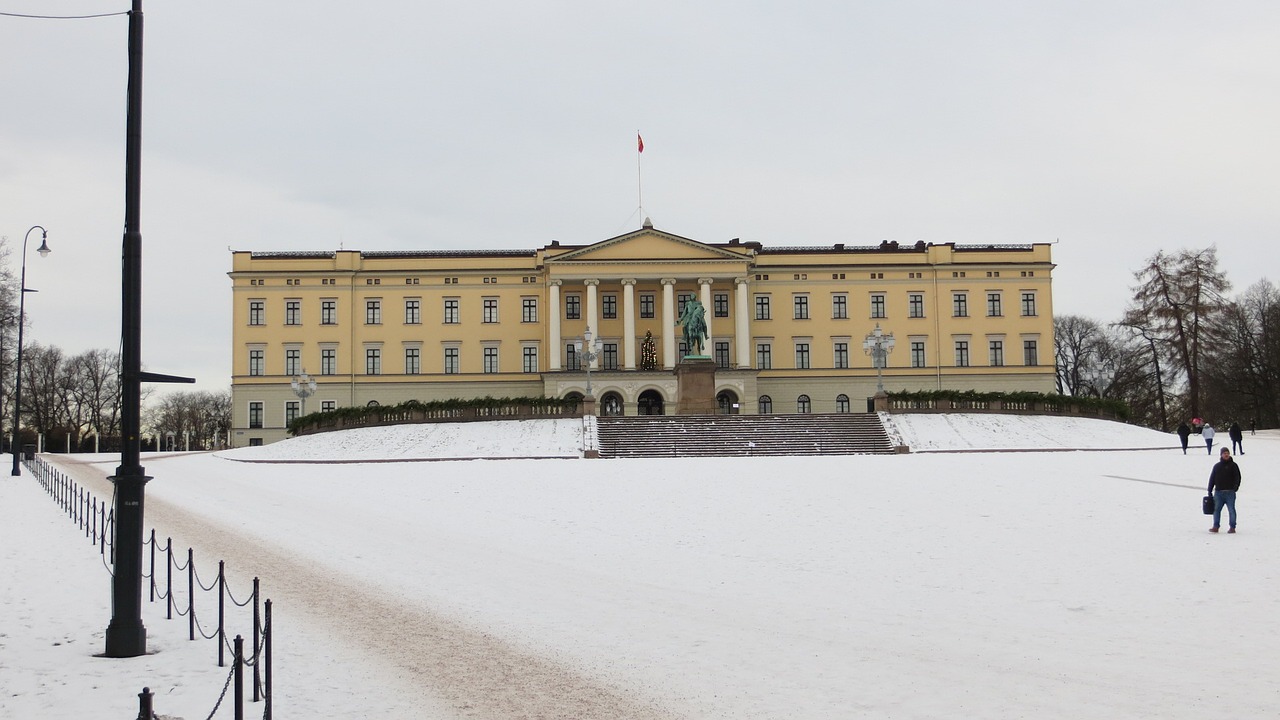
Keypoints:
pixel 611 404
pixel 574 397
pixel 726 403
pixel 650 402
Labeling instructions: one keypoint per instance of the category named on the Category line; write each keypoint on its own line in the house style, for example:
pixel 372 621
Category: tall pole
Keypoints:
pixel 17 378
pixel 126 636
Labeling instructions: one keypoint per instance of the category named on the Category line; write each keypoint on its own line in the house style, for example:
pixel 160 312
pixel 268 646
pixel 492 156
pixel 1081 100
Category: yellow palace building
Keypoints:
pixel 787 326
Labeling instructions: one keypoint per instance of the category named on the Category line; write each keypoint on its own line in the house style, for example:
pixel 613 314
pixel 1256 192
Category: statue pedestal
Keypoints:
pixel 696 385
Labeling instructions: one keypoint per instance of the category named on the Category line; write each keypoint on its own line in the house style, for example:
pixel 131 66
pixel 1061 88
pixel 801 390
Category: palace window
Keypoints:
pixel 572 360
pixel 801 303
pixel 491 359
pixel 451 311
pixel 762 307
pixel 917 354
pixel 960 304
pixel 764 356
pixel 451 360
pixel 372 361
pixel 490 310
pixel 1030 353
pixel 722 304
pixel 764 405
pixel 255 415
pixel 609 306
pixel 877 305
pixel 413 312
pixel 1028 304
pixel 257 362
pixel 842 403
pixel 290 411
pixel 995 351
pixel 840 306
pixel 292 312
pixel 529 310
pixel 915 305
pixel 646 305
pixel 802 356
pixel 962 353
pixel 328 361
pixel 530 358
pixel 412 361
pixel 373 312
pixel 722 354
pixel 841 355
pixel 257 312
pixel 609 356
pixel 328 312
pixel 292 361
pixel 803 405
pixel 573 307
pixel 993 305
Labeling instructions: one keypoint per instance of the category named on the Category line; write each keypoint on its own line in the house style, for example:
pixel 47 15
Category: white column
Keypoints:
pixel 709 348
pixel 593 319
pixel 742 323
pixel 668 323
pixel 629 324
pixel 554 342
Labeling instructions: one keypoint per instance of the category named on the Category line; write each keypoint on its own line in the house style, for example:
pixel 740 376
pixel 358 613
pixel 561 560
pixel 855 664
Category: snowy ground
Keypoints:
pixel 939 584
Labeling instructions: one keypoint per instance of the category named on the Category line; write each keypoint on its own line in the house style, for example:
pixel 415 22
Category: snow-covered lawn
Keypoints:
pixel 977 585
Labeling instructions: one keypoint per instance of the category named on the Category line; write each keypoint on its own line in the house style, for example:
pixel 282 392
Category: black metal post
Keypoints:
pixel 144 704
pixel 266 653
pixel 17 378
pixel 126 636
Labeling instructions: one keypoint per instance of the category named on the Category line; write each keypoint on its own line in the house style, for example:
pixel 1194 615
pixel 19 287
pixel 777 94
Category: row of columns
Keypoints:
pixel 629 356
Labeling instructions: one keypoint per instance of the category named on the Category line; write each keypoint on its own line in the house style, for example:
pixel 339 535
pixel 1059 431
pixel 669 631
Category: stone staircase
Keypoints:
pixel 742 435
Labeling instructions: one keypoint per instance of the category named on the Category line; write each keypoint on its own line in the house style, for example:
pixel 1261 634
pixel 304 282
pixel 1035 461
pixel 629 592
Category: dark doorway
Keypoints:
pixel 650 403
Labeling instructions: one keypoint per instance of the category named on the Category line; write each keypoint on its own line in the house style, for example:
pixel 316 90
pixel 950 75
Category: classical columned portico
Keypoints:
pixel 629 324
pixel 741 322
pixel 553 316
pixel 593 315
pixel 704 286
pixel 669 323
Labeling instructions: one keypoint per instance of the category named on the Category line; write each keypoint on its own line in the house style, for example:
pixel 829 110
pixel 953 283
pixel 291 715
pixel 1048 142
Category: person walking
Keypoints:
pixel 1237 438
pixel 1224 481
pixel 1207 434
pixel 1184 432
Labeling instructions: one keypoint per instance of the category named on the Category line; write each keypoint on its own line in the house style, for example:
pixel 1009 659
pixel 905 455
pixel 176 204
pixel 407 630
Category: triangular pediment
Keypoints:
pixel 648 245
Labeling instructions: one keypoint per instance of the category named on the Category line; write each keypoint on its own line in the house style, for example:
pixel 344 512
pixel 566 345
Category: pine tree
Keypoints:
pixel 648 352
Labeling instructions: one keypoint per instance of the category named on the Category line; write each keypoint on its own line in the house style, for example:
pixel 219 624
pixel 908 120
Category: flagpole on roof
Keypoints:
pixel 639 176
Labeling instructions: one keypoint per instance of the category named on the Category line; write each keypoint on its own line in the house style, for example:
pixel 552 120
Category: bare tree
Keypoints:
pixel 1076 342
pixel 202 417
pixel 1177 301
pixel 95 388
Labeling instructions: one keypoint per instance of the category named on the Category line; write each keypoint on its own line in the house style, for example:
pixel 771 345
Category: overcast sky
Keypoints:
pixel 1115 129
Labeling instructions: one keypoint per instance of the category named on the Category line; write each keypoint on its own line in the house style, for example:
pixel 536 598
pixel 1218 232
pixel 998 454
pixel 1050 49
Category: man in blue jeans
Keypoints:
pixel 1224 481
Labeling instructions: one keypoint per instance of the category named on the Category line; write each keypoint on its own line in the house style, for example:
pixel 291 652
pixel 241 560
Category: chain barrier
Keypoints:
pixel 98 523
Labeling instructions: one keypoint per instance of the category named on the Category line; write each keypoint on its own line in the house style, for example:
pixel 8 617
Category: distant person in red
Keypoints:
pixel 1224 481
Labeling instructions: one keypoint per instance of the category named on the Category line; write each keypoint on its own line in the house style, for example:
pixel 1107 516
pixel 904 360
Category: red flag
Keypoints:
pixel 639 143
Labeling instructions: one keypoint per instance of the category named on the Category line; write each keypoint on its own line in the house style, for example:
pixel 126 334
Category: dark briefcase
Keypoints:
pixel 1207 504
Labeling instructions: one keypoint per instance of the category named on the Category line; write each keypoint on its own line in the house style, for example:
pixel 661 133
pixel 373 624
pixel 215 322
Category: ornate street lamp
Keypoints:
pixel 304 386
pixel 878 345
pixel 22 295
pixel 589 347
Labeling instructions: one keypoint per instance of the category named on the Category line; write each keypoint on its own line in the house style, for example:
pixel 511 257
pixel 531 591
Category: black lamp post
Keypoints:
pixel 22 296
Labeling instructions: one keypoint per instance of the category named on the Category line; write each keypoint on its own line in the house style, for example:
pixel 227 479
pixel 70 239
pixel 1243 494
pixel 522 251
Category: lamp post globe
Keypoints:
pixel 304 386
pixel 878 345
pixel 589 346
pixel 17 378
